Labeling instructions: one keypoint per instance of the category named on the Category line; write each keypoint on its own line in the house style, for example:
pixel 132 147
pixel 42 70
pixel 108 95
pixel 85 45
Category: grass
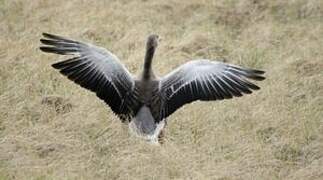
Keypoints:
pixel 49 126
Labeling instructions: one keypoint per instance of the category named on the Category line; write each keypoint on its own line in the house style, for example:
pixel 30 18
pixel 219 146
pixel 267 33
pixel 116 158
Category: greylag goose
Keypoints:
pixel 144 102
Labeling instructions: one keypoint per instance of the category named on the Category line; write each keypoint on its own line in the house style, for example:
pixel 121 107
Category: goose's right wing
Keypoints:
pixel 93 68
pixel 205 80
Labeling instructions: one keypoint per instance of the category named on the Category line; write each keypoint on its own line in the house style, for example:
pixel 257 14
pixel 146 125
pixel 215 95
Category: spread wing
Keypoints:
pixel 205 80
pixel 93 68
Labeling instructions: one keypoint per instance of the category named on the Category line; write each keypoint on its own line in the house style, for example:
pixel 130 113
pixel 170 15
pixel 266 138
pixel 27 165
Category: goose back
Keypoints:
pixel 149 96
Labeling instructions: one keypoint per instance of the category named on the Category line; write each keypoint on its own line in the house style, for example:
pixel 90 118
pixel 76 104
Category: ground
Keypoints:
pixel 51 128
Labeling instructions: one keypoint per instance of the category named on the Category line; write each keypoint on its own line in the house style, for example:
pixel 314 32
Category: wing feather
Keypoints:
pixel 206 80
pixel 94 68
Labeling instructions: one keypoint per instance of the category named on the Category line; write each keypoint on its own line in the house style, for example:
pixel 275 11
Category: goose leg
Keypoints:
pixel 161 135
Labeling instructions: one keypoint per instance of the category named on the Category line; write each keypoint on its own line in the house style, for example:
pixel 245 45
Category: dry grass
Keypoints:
pixel 49 126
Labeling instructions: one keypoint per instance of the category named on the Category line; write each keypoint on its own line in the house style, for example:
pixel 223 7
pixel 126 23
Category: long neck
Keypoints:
pixel 148 59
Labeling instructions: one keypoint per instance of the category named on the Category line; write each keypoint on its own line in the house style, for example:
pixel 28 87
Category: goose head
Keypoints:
pixel 152 41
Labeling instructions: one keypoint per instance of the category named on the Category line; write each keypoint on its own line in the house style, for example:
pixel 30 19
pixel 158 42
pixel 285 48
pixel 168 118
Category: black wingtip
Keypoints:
pixel 257 77
pixel 257 74
pixel 48 35
pixel 54 37
pixel 253 86
pixel 55 50
pixel 258 71
pixel 43 48
pixel 249 73
pixel 46 41
pixel 47 49
pixel 56 66
pixel 254 71
pixel 261 78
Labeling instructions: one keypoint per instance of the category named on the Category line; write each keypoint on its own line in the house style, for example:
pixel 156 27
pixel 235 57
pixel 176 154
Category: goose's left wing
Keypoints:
pixel 93 68
pixel 205 80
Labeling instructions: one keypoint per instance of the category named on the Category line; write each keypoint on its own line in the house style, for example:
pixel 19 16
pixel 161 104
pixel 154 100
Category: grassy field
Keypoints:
pixel 51 128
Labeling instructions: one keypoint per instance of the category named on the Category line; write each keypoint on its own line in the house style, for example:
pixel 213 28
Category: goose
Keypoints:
pixel 144 102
